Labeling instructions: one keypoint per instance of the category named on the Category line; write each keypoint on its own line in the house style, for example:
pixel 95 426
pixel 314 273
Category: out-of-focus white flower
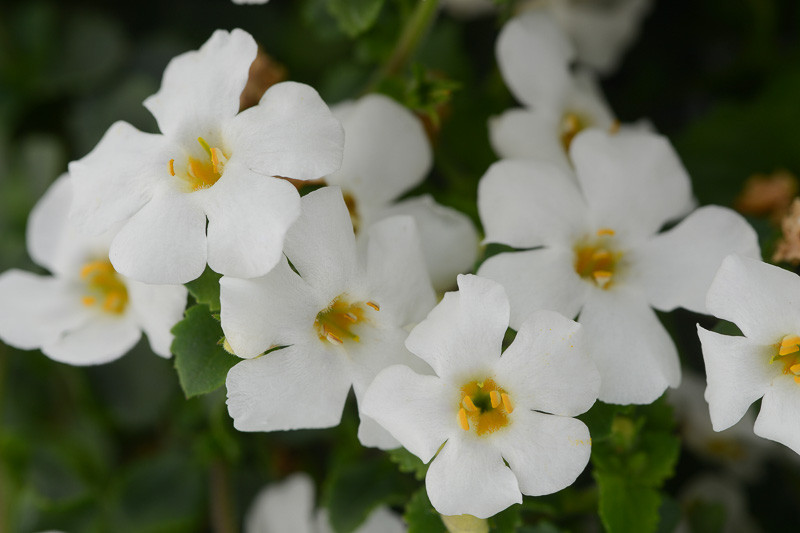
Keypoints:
pixel 386 153
pixel 288 507
pixel 210 164
pixel 485 414
pixel 535 58
pixel 85 313
pixel 341 316
pixel 598 252
pixel 764 301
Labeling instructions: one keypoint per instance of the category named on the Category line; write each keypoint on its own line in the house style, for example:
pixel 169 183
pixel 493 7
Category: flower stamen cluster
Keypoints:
pixel 486 405
pixel 104 287
pixel 334 323
pixel 596 260
pixel 789 355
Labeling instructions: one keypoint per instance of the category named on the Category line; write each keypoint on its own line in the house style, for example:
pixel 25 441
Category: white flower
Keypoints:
pixel 85 313
pixel 535 58
pixel 597 250
pixel 340 316
pixel 487 413
pixel 209 163
pixel 288 507
pixel 764 301
pixel 386 153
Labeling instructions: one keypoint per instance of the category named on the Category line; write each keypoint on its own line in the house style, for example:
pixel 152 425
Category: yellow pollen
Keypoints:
pixel 507 403
pixel 797 379
pixel 374 306
pixel 88 301
pixel 335 323
pixel 788 353
pixel 462 419
pixel 605 231
pixel 104 287
pixel 333 338
pixel 468 405
pixel 171 167
pixel 795 369
pixel 790 340
pixel 595 258
pixel 786 350
pixel 494 396
pixel 204 172
pixel 482 407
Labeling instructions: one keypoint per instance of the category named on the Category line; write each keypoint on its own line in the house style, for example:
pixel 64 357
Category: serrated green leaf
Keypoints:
pixel 355 16
pixel 202 364
pixel 625 507
pixel 408 463
pixel 661 451
pixel 420 516
pixel 205 289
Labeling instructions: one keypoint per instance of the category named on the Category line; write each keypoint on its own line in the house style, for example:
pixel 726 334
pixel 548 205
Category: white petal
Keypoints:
pixel 117 178
pixel 275 310
pixel 165 242
pixel 633 181
pixel 202 87
pixel 538 279
pixel 36 309
pixel 534 56
pixel 418 411
pixel 546 452
pixel 382 520
pixel 285 506
pixel 386 151
pixel 321 244
pixel 763 300
pixel 156 309
pixel 779 418
pixel 525 203
pixel 464 333
pixel 248 217
pixel 449 239
pixel 547 367
pixel 302 386
pixel 100 340
pixel 373 435
pixel 396 270
pixel 675 268
pixel 469 477
pixel 738 373
pixel 529 133
pixel 290 133
pixel 633 352
pixel 47 224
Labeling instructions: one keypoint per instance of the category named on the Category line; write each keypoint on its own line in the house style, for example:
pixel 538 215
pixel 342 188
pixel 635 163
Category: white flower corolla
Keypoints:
pixel 211 164
pixel 341 315
pixel 288 507
pixel 591 247
pixel 387 153
pixel 86 313
pixel 535 58
pixel 485 414
pixel 764 301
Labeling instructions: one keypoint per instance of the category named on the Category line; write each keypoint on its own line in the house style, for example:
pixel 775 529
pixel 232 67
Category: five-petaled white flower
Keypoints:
pixel 209 163
pixel 86 313
pixel 386 153
pixel 764 301
pixel 597 250
pixel 341 316
pixel 288 507
pixel 485 413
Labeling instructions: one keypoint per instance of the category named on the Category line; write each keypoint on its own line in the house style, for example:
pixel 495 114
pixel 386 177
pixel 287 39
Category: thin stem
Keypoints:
pixel 223 518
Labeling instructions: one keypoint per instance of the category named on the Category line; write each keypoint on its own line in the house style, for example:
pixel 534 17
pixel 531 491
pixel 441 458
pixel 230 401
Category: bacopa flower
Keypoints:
pixel 485 413
pixel 86 313
pixel 764 301
pixel 386 153
pixel 341 316
pixel 208 164
pixel 598 254
pixel 288 507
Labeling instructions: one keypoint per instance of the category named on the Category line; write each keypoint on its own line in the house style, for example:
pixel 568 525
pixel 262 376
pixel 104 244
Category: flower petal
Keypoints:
pixel 546 453
pixel 156 309
pixel 547 367
pixel 47 224
pixel 780 413
pixel 373 435
pixel 633 181
pixel 290 133
pixel 544 278
pixel 100 340
pixel 202 87
pixel 633 352
pixel 285 506
pixel 675 268
pixel 738 373
pixel 763 300
pixel 382 520
pixel 248 218
pixel 469 477
pixel 525 203
pixel 301 386
pixel 165 242
pixel 529 133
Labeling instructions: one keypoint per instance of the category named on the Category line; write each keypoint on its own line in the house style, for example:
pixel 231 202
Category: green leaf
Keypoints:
pixel 598 419
pixel 626 508
pixel 205 289
pixel 420 515
pixel 706 517
pixel 201 362
pixel 507 521
pixel 355 16
pixel 408 463
pixel 669 515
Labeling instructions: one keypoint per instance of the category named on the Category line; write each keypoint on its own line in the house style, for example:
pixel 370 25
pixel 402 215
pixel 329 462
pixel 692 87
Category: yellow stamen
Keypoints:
pixel 104 285
pixel 333 338
pixel 601 255
pixel 205 146
pixel 466 401
pixel 171 167
pixel 336 323
pixel 351 317
pixel 462 419
pixel 795 369
pixel 790 340
pixel 507 403
pixel 785 350
pixel 88 300
pixel 494 397
pixel 602 277
pixel 215 160
pixel 797 379
pixel 374 306
pixel 605 231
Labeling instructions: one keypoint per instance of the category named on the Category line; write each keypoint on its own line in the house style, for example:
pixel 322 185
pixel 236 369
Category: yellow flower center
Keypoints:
pixel 201 173
pixel 596 260
pixel 104 287
pixel 335 323
pixel 572 124
pixel 788 354
pixel 484 407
